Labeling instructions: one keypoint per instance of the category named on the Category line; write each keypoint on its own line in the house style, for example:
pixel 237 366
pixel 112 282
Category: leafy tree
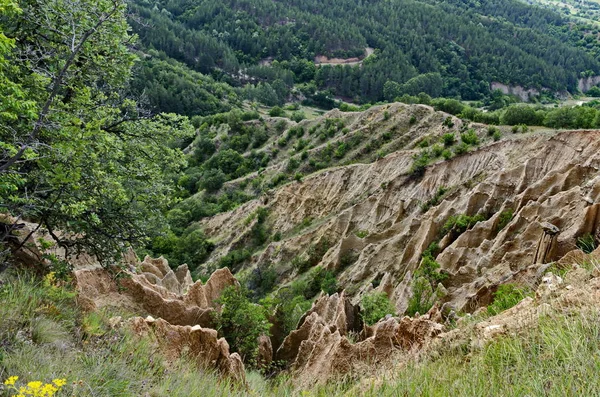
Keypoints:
pixel 75 154
pixel 276 112
pixel 193 248
pixel 241 322
pixel 517 114
pixel 375 306
pixel 212 180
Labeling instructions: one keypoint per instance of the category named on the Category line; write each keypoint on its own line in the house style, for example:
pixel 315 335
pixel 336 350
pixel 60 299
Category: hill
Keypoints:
pixel 450 49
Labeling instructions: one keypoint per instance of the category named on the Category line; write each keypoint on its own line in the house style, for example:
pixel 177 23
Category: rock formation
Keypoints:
pixel 540 178
pixel 322 346
pixel 197 343
pixel 157 291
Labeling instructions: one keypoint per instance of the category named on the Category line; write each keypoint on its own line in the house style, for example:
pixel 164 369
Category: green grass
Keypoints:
pixel 44 336
pixel 560 356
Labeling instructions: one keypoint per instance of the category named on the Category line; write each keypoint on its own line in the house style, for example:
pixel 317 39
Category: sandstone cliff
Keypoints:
pixel 547 181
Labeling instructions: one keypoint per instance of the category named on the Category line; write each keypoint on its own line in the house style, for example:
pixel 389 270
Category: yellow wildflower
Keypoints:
pixel 11 381
pixel 35 385
pixel 59 382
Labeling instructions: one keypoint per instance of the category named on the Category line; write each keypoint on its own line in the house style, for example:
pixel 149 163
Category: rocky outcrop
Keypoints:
pixel 522 93
pixel 538 178
pixel 584 84
pixel 157 291
pixel 199 344
pixel 576 294
pixel 322 346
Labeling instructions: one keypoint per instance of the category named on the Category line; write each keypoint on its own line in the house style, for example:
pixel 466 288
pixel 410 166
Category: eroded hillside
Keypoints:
pixel 486 215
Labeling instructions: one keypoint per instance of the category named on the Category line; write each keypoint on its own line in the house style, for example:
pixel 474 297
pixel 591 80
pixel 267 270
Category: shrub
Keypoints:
pixel 586 243
pixel 422 298
pixel 435 200
pixel 261 281
pixel 241 322
pixel 449 139
pixel 193 248
pixel 470 138
pixel 507 296
pixel 280 126
pixel 289 305
pixel 492 130
pixel 276 112
pixel 361 233
pixel 298 116
pixel 504 219
pixel 412 120
pixel 420 163
pixel 437 150
pixel 375 306
pixel 448 122
pixel 429 269
pixel 234 258
pixel 461 149
pixel 497 135
pixel 292 164
pixel 348 258
pixel 458 224
pixel 519 114
pixel 320 280
pixel 212 180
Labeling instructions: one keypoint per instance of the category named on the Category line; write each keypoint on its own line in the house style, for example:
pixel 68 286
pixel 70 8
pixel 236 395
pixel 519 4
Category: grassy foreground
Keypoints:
pixel 43 336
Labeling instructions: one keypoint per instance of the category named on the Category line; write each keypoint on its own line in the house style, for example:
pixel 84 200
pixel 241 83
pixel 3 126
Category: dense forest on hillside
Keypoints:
pixel 464 45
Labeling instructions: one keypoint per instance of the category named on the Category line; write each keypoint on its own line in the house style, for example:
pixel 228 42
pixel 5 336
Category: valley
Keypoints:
pixel 299 198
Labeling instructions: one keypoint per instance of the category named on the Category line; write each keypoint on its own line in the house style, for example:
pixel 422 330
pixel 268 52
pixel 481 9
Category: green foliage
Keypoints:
pixel 448 122
pixel 79 157
pixel 348 258
pixel 420 162
pixel 470 138
pixel 504 219
pixel 311 257
pixel 212 180
pixel 422 299
pixel 319 280
pixel 449 139
pixel 375 306
pixel 458 224
pixel 234 258
pixel 361 233
pixel 288 304
pixel 594 92
pixel 517 114
pixel 276 112
pixel 192 248
pixel 298 116
pixel 241 322
pixel 507 296
pixel 261 281
pixel 491 131
pixel 587 243
pixel 435 200
pixel 451 106
pixel 497 135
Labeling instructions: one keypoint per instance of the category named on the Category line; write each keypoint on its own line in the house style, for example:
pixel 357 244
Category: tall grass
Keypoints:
pixel 558 357
pixel 43 336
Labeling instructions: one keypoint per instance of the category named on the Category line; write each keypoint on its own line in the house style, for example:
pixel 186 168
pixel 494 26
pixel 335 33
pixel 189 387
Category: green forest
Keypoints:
pixel 450 49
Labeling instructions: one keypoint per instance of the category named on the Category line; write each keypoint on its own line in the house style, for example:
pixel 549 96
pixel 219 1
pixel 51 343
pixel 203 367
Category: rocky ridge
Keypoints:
pixel 548 182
